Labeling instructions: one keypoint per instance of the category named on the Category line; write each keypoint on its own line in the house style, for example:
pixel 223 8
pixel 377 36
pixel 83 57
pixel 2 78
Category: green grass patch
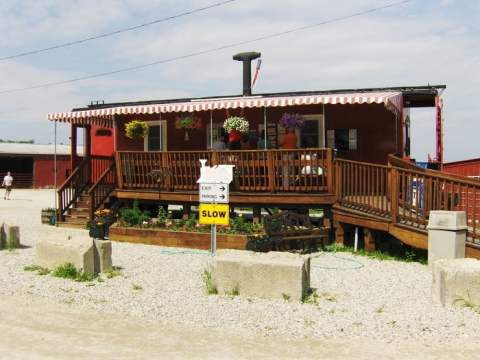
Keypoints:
pixel 409 256
pixel 69 271
pixel 311 297
pixel 235 292
pixel 113 272
pixel 136 287
pixel 210 287
pixel 35 268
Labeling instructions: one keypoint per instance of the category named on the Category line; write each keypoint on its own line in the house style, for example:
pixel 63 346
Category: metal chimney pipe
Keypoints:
pixel 247 58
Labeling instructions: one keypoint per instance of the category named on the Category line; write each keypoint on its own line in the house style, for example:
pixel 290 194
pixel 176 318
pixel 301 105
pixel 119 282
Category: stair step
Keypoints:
pixel 76 219
pixel 65 224
pixel 76 210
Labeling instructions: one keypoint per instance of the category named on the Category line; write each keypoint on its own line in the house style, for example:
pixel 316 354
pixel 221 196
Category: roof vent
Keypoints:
pixel 246 58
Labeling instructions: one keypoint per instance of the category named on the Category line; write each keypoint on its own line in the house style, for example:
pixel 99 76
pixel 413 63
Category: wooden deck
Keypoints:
pixel 396 198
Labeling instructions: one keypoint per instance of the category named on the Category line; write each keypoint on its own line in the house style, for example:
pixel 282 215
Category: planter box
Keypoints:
pixel 47 217
pixel 185 239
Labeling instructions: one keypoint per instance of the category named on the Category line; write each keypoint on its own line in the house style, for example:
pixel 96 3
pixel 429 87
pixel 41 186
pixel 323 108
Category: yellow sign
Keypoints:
pixel 214 214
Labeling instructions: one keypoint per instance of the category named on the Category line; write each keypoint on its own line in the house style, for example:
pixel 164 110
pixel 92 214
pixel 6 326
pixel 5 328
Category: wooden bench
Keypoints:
pixel 288 230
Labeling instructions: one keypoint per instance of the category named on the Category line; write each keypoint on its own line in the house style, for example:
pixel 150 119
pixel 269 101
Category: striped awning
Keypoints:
pixel 104 116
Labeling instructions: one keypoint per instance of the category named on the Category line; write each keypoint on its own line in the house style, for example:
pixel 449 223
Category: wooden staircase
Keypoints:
pixel 78 199
pixel 78 215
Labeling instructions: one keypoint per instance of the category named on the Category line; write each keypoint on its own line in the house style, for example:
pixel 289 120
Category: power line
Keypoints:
pixel 116 32
pixel 207 51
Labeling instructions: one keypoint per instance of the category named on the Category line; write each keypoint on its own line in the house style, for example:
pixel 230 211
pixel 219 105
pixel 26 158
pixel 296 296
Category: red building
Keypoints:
pixel 33 166
pixel 469 168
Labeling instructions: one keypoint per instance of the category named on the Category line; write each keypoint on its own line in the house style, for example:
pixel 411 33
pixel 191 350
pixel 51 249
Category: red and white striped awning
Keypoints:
pixel 104 117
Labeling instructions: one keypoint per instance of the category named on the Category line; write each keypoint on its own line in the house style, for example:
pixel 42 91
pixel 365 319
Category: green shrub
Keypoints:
pixel 191 223
pixel 134 216
pixel 162 216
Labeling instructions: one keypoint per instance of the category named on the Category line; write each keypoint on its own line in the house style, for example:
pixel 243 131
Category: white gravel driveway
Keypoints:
pixel 385 301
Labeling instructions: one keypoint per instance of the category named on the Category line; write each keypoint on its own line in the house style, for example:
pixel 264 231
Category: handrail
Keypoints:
pixel 102 188
pixel 73 174
pixel 88 171
pixel 73 187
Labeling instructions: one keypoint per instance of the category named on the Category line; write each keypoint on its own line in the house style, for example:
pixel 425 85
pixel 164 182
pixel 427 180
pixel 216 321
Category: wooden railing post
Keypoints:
pixel 60 206
pixel 271 171
pixel 394 193
pixel 118 162
pixel 91 205
pixel 330 171
pixel 215 159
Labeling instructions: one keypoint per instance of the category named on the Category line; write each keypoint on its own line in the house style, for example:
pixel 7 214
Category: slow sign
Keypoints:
pixel 214 214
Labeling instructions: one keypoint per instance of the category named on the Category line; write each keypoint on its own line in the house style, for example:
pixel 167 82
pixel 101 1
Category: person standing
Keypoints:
pixel 7 182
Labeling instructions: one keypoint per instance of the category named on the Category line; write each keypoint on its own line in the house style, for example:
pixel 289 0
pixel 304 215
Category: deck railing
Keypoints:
pixel 305 170
pixel 405 194
pixel 363 186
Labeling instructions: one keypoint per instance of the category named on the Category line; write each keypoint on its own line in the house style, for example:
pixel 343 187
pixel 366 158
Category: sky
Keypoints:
pixel 418 43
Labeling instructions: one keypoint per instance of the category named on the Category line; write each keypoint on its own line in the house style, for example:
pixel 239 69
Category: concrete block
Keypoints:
pixel 456 281
pixel 447 220
pixel 58 250
pixel 271 275
pixel 447 233
pixel 102 255
pixel 9 236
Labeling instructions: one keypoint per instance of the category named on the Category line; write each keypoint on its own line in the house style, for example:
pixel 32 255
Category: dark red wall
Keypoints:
pixel 378 131
pixel 464 168
pixel 43 170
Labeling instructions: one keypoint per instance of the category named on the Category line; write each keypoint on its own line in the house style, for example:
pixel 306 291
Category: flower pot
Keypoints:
pixel 98 231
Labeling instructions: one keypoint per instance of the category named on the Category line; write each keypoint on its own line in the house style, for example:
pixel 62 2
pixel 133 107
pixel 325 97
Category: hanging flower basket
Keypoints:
pixel 236 123
pixel 292 121
pixel 187 123
pixel 136 129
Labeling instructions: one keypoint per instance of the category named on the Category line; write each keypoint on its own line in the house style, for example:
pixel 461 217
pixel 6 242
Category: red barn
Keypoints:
pixel 33 166
pixel 469 168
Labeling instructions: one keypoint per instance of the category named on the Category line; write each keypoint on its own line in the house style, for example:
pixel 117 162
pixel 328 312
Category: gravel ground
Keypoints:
pixel 358 297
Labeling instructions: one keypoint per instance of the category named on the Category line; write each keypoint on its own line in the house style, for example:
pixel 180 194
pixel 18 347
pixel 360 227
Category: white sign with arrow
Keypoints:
pixel 213 193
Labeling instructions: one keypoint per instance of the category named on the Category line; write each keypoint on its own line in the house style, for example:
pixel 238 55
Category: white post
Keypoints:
pixel 211 130
pixel 55 168
pixel 213 245
pixel 355 244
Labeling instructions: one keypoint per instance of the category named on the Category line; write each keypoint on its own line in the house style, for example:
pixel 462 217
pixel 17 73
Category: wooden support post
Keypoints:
pixel 339 233
pixel 369 240
pixel 330 170
pixel 257 215
pixel 271 171
pixel 394 194
pixel 119 170
pixel 187 209
pixel 87 150
pixel 73 147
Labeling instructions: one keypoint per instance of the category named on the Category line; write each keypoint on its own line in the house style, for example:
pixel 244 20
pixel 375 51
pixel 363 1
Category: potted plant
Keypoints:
pixel 292 121
pixel 136 129
pixel 187 123
pixel 101 222
pixel 49 216
pixel 235 126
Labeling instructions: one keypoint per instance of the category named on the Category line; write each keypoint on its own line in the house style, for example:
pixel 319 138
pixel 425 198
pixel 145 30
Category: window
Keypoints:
pixel 156 140
pixel 342 139
pixel 217 132
pixel 103 132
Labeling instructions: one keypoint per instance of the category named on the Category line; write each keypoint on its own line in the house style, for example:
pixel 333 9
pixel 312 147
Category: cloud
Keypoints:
pixel 423 42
